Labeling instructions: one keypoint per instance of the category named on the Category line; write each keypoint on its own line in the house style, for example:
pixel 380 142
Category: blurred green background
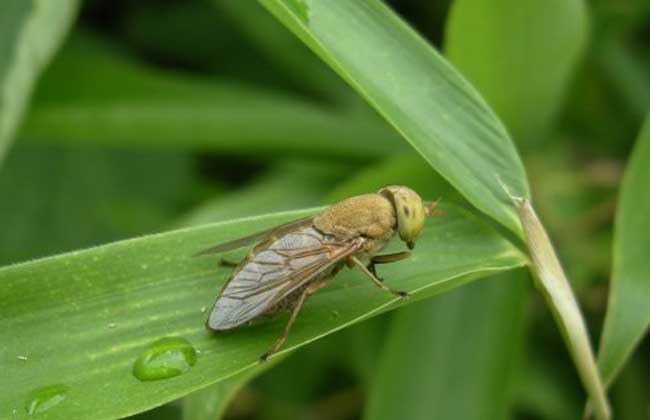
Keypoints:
pixel 157 114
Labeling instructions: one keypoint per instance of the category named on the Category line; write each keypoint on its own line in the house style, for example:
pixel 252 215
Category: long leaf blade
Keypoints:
pixel 509 41
pixel 418 92
pixel 628 312
pixel 98 309
pixel 117 101
pixel 456 347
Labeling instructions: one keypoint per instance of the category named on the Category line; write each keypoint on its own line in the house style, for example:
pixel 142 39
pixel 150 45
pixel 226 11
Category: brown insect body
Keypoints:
pixel 293 261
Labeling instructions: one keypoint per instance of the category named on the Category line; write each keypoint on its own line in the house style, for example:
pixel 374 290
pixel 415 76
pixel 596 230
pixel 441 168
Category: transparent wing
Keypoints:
pixel 256 237
pixel 278 268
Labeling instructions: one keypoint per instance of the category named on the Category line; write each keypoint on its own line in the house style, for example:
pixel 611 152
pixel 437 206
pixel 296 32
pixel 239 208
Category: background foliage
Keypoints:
pixel 154 115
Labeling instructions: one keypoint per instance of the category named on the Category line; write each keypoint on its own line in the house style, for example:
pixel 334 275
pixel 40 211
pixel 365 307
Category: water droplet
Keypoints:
pixel 112 325
pixel 23 358
pixel 44 398
pixel 144 266
pixel 203 309
pixel 165 358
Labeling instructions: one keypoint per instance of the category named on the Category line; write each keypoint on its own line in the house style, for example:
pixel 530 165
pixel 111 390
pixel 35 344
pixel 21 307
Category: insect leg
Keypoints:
pixel 354 260
pixel 285 332
pixel 294 313
pixel 385 259
pixel 431 211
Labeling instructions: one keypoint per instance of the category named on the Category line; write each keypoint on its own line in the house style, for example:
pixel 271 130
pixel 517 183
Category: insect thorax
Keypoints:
pixel 369 215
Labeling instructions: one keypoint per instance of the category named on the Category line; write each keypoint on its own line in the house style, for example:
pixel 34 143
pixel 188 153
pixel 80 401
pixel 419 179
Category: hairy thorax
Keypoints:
pixel 371 216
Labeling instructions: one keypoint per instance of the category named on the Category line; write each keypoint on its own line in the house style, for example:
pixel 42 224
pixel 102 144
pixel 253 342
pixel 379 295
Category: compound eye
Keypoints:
pixel 410 217
pixel 409 211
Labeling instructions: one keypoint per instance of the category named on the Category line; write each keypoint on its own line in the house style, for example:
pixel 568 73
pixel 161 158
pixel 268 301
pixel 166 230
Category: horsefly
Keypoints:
pixel 290 262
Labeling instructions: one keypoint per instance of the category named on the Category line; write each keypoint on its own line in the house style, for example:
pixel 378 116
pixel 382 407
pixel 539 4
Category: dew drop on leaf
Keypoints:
pixel 43 398
pixel 165 358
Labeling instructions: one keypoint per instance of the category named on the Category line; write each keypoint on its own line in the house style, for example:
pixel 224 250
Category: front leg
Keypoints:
pixel 352 260
pixel 385 259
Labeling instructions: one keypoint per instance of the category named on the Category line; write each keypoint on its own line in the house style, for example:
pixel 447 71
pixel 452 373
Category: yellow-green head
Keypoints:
pixel 409 211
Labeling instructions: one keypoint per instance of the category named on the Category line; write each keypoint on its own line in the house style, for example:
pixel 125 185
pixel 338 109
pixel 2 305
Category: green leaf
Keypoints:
pixel 500 46
pixel 628 312
pixel 509 41
pixel 452 357
pixel 98 309
pixel 417 92
pixel 160 108
pixel 30 32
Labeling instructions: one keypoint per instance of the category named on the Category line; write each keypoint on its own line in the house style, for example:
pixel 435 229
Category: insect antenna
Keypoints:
pixel 430 208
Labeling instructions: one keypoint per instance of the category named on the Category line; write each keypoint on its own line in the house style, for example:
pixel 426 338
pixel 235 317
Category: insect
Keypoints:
pixel 292 261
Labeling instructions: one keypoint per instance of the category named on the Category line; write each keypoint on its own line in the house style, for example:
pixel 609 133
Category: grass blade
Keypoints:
pixel 628 313
pixel 30 32
pixel 98 309
pixel 456 347
pixel 116 101
pixel 417 92
pixel 509 41
pixel 512 40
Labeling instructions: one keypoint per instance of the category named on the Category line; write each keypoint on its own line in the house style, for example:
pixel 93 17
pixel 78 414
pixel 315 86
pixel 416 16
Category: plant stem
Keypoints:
pixel 555 287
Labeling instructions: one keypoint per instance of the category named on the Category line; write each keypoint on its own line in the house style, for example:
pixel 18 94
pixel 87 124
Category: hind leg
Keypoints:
pixel 295 308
